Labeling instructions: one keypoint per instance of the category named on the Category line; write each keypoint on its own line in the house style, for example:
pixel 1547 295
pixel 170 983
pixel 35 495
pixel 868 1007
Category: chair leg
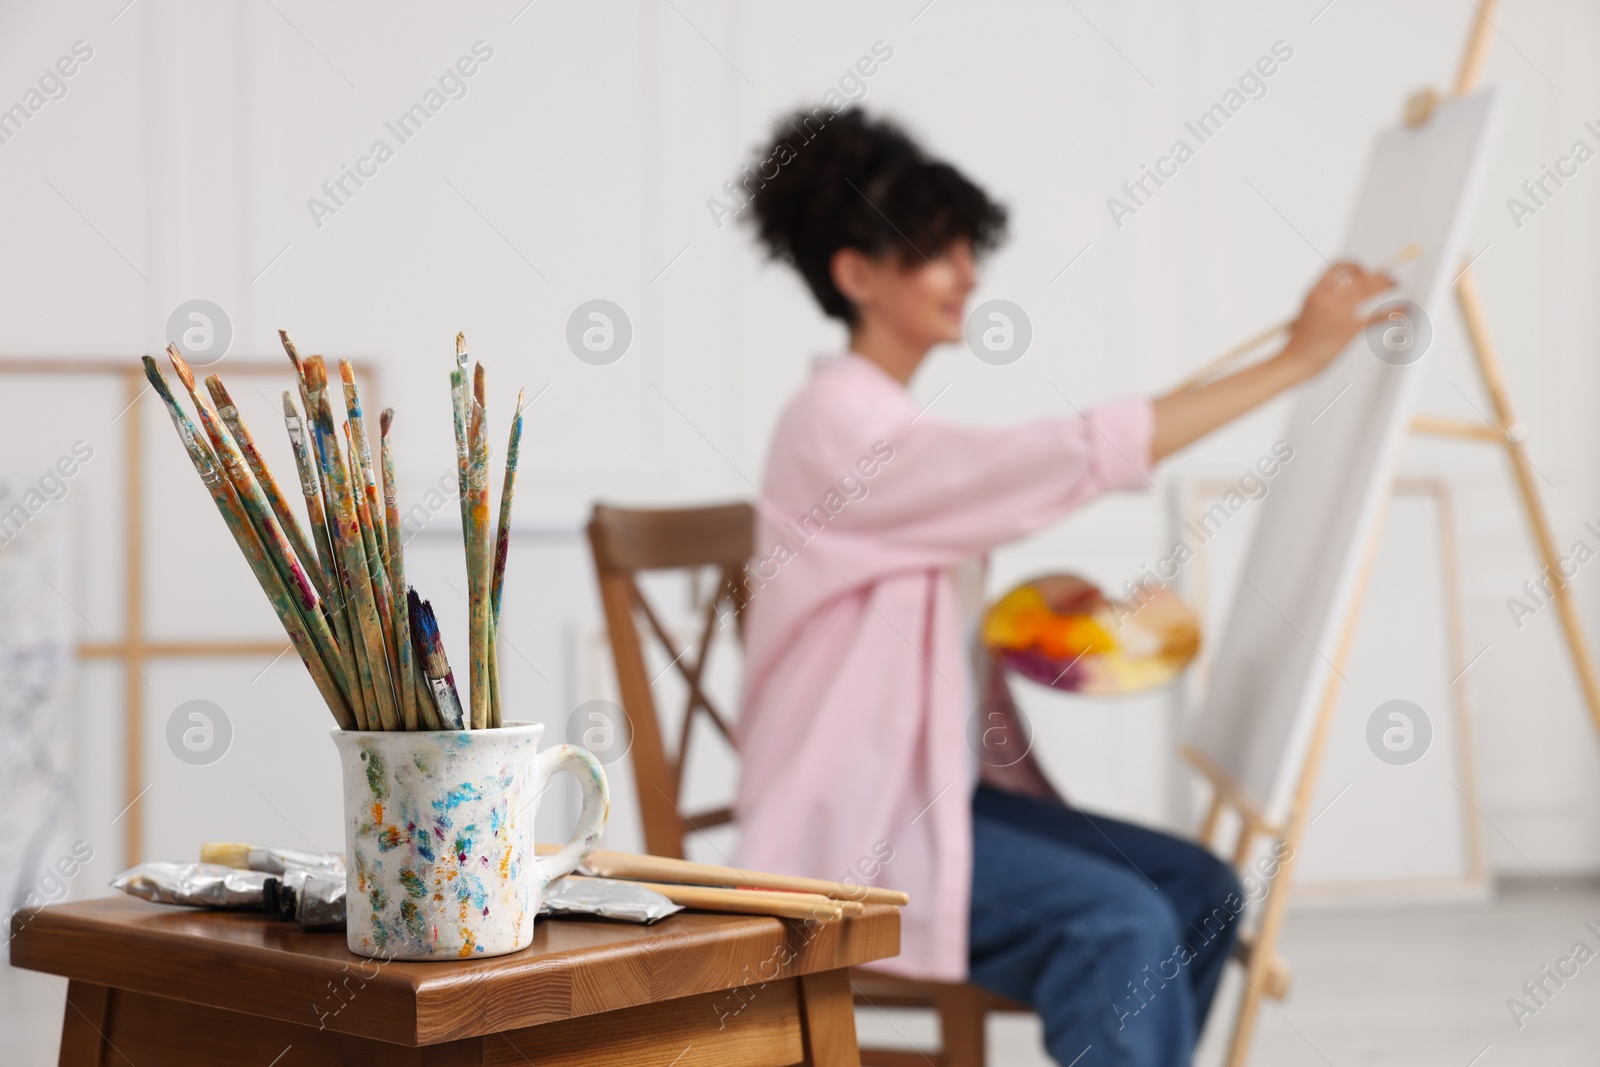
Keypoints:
pixel 962 1011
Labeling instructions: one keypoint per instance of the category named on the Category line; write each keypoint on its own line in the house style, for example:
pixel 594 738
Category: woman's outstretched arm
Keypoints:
pixel 1328 320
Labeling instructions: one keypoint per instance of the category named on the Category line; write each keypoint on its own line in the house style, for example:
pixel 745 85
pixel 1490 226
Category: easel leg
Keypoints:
pixel 1506 422
pixel 1263 954
pixel 1264 947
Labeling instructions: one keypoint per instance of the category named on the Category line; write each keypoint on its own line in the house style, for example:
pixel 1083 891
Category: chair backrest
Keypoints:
pixel 625 543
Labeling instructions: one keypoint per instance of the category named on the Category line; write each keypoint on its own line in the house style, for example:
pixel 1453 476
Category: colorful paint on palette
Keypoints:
pixel 1061 631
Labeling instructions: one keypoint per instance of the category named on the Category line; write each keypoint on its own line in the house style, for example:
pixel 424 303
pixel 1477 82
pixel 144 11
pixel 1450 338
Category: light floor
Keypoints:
pixel 1413 986
pixel 1416 986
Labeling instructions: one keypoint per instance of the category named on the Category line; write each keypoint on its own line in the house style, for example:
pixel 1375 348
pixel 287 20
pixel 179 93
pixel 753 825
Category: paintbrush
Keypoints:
pixel 608 864
pixel 312 399
pixel 299 369
pixel 502 541
pixel 329 460
pixel 808 906
pixel 271 860
pixel 491 665
pixel 255 553
pixel 1400 258
pixel 410 714
pixel 502 546
pixel 377 572
pixel 485 568
pixel 366 628
pixel 287 520
pixel 458 407
pixel 358 432
pixel 352 573
pixel 481 544
pixel 377 575
pixel 313 487
pixel 477 545
pixel 307 403
pixel 311 491
pixel 310 484
pixel 435 666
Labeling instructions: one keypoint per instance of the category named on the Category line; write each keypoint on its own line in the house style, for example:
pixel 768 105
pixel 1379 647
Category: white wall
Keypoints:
pixel 579 165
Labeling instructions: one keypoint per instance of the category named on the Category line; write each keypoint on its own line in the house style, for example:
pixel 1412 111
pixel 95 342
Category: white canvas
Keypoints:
pixel 1381 830
pixel 1272 664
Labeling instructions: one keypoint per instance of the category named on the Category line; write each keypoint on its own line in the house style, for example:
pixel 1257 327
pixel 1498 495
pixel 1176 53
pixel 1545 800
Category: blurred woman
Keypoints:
pixel 853 731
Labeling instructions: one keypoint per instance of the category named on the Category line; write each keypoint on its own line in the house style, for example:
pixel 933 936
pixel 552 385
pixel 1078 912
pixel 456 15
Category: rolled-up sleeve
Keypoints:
pixel 958 490
pixel 1126 428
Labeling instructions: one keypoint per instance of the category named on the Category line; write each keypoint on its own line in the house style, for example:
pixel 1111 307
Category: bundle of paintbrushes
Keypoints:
pixel 371 643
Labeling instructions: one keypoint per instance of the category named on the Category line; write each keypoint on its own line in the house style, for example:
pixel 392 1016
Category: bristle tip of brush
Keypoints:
pixel 316 374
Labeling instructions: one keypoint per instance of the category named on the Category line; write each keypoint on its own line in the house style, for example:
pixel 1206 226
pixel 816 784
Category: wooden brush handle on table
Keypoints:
pixel 661 869
pixel 753 901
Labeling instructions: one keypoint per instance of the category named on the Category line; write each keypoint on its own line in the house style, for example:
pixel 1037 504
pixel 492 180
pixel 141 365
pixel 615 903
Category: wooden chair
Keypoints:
pixel 628 542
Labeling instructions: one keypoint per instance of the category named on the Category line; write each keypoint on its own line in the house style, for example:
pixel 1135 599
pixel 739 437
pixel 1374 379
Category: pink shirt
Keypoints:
pixel 857 694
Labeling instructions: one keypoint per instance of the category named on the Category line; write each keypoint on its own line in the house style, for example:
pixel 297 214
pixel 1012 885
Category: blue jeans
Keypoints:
pixel 1116 935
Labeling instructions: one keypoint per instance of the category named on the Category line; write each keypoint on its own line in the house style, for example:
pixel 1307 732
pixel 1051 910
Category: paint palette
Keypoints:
pixel 1061 631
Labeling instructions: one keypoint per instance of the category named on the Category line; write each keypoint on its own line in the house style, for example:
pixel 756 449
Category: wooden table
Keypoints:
pixel 157 985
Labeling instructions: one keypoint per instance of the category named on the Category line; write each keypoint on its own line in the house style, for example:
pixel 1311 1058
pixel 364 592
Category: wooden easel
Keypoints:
pixel 1265 973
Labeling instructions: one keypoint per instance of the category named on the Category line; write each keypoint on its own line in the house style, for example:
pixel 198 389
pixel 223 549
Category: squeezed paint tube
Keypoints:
pixel 206 885
pixel 606 898
pixel 314 898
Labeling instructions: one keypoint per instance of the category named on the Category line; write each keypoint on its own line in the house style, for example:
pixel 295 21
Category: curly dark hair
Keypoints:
pixel 852 181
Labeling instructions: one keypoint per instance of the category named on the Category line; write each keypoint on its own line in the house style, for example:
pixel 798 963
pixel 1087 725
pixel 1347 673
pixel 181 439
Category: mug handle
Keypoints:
pixel 582 765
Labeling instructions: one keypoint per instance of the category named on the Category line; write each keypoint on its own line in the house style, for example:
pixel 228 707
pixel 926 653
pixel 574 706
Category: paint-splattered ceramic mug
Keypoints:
pixel 439 837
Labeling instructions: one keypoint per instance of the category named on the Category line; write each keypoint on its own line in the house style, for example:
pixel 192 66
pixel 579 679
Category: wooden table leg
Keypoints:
pixel 83 1026
pixel 828 1020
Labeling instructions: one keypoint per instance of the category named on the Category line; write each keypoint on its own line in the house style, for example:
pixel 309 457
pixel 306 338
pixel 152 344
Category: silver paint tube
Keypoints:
pixel 579 895
pixel 206 885
pixel 316 898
